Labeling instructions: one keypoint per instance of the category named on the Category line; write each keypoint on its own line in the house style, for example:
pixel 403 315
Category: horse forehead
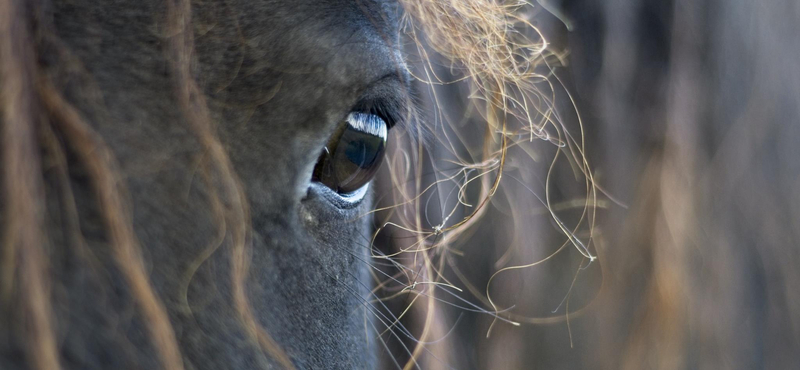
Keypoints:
pixel 335 34
pixel 244 48
pixel 381 13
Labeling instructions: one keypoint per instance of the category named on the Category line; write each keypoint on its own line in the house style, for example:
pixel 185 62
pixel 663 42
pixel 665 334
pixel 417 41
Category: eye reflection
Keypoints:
pixel 353 154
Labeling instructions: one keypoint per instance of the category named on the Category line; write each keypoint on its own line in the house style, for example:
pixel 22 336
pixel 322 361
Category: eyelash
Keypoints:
pixel 389 110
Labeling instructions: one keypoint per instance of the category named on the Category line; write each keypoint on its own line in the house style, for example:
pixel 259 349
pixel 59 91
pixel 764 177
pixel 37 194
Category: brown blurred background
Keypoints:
pixel 692 130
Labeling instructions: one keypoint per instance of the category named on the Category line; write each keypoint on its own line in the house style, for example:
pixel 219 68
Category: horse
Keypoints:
pixel 166 201
pixel 197 184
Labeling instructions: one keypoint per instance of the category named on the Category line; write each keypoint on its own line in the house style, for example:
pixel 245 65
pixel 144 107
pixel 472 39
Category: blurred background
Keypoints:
pixel 654 227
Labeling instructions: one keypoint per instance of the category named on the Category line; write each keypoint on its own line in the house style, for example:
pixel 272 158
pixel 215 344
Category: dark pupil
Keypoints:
pixel 354 153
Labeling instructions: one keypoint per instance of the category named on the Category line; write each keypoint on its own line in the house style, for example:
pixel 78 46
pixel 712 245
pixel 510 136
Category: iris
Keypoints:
pixel 354 153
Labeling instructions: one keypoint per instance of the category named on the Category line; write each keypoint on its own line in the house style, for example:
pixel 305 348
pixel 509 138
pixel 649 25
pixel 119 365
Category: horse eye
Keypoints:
pixel 354 153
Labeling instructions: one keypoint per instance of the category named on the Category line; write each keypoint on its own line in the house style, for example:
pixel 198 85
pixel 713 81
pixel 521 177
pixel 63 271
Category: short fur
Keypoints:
pixel 278 77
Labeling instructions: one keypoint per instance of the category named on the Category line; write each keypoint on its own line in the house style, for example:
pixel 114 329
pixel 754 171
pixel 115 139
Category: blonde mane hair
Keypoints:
pixel 507 67
pixel 492 45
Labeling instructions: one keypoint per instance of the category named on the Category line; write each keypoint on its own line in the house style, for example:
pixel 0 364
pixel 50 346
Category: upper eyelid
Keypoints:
pixel 388 98
pixel 388 112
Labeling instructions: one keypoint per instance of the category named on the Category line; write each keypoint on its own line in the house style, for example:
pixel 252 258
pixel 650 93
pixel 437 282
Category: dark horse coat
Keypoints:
pixel 279 77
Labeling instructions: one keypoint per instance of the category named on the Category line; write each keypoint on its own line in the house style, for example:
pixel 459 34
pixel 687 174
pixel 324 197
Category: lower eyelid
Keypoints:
pixel 342 201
